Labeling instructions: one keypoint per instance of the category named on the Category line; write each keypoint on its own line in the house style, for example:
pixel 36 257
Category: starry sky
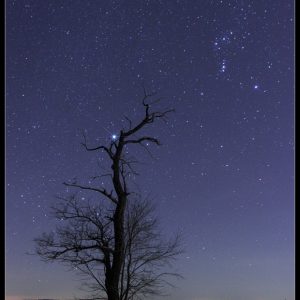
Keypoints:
pixel 225 173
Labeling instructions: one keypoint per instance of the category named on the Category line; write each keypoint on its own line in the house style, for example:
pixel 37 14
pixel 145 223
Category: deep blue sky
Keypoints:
pixel 225 174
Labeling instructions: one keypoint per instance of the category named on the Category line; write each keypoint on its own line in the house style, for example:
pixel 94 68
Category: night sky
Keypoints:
pixel 224 176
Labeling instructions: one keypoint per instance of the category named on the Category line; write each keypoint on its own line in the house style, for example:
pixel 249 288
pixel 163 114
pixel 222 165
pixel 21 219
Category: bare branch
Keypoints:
pixel 107 150
pixel 129 121
pixel 143 139
pixel 149 117
pixel 101 191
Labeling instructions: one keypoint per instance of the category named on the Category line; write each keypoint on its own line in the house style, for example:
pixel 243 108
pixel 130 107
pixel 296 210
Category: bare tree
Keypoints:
pixel 125 249
pixel 147 253
pixel 85 241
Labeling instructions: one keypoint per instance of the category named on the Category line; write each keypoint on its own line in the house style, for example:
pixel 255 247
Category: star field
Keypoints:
pixel 224 176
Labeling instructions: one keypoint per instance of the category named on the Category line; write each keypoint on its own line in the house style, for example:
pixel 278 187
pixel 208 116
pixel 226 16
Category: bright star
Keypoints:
pixel 256 87
pixel 114 137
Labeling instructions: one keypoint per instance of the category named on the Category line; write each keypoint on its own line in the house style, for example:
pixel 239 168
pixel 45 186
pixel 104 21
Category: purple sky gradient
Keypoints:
pixel 225 173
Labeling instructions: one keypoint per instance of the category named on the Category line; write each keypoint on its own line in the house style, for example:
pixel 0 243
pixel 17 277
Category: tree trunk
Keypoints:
pixel 113 294
pixel 118 256
pixel 118 220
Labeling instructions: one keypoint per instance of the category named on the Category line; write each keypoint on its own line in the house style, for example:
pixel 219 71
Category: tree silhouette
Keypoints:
pixel 118 246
